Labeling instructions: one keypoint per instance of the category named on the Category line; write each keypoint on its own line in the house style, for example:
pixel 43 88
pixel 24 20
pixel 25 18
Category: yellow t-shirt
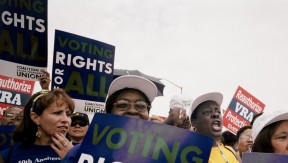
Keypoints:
pixel 216 157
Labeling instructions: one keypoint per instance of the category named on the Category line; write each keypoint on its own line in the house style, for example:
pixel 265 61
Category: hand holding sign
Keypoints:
pixel 45 80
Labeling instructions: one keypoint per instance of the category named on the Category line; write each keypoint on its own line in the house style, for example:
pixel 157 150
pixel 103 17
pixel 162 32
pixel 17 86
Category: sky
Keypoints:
pixel 200 45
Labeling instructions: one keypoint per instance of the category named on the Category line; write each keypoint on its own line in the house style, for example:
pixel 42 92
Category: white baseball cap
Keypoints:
pixel 181 101
pixel 213 96
pixel 266 119
pixel 136 82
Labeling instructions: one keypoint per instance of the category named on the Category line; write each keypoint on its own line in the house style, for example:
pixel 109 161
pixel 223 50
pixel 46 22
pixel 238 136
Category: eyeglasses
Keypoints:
pixel 123 105
pixel 12 115
pixel 209 111
pixel 81 123
pixel 246 137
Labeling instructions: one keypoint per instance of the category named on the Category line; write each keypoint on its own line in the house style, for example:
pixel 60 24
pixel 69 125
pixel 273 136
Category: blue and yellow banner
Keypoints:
pixel 84 68
pixel 23 38
pixel 114 138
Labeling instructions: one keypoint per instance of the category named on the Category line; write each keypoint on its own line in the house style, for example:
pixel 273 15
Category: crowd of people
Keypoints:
pixel 48 129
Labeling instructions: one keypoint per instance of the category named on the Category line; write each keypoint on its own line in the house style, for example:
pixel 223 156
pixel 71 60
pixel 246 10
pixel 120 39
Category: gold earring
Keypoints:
pixel 38 133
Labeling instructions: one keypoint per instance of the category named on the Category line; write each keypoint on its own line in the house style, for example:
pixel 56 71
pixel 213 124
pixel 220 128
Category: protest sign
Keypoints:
pixel 84 69
pixel 23 38
pixel 14 92
pixel 114 138
pixel 6 140
pixel 255 157
pixel 241 110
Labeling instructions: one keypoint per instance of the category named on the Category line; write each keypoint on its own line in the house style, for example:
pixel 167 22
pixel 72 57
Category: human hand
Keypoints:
pixel 61 144
pixel 183 120
pixel 45 80
pixel 186 123
pixel 177 117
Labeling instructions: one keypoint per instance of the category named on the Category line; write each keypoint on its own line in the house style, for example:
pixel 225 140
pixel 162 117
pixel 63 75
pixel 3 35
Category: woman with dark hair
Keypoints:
pixel 42 133
pixel 270 132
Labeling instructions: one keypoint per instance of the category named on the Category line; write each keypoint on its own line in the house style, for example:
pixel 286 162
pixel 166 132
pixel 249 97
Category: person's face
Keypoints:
pixel 78 128
pixel 279 138
pixel 12 116
pixel 132 98
pixel 55 119
pixel 245 141
pixel 209 120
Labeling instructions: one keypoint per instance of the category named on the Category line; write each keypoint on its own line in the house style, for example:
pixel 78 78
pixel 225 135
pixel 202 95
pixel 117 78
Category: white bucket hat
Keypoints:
pixel 181 101
pixel 266 119
pixel 214 96
pixel 136 82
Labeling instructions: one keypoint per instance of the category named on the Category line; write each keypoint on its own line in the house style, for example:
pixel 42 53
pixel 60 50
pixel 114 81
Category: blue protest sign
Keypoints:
pixel 255 157
pixel 6 140
pixel 84 68
pixel 23 38
pixel 113 138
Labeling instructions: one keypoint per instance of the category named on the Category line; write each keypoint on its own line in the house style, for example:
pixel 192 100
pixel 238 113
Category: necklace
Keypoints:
pixel 222 154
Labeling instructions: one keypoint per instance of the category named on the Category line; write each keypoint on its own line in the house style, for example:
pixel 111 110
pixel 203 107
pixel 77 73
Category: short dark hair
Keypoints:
pixel 241 130
pixel 228 138
pixel 262 142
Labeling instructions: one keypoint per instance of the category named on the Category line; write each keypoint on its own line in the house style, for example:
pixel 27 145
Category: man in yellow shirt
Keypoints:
pixel 206 119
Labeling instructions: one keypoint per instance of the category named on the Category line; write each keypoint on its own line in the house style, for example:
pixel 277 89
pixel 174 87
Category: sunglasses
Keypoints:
pixel 81 123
